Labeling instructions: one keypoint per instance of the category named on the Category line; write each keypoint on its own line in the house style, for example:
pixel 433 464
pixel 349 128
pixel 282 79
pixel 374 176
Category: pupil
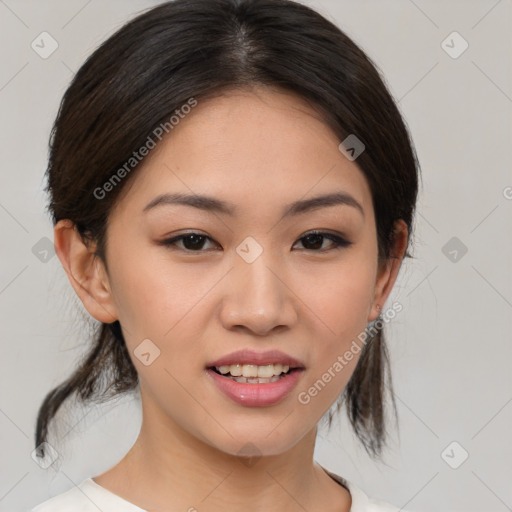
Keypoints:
pixel 311 239
pixel 197 241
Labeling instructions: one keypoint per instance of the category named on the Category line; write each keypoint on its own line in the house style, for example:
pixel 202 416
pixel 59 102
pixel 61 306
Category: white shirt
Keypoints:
pixel 91 497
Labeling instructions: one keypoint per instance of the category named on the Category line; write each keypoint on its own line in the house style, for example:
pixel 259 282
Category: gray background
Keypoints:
pixel 450 346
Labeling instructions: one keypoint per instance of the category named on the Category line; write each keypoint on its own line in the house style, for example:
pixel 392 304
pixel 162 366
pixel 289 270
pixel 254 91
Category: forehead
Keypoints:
pixel 251 148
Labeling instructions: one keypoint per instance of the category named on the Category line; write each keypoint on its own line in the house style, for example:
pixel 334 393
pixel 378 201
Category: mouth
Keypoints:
pixel 254 374
pixel 252 385
pixel 256 379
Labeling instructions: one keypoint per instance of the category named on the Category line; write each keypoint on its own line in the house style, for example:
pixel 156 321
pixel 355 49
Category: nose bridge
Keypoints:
pixel 261 283
pixel 257 298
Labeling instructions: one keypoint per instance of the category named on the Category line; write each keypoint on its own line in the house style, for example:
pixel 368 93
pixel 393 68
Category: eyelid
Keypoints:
pixel 339 239
pixel 170 242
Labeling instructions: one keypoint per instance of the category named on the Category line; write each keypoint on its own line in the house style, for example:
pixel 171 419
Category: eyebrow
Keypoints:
pixel 212 204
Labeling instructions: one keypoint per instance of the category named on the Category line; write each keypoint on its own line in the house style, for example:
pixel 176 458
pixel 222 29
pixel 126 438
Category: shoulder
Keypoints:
pixel 86 497
pixel 73 499
pixel 363 503
pixel 360 501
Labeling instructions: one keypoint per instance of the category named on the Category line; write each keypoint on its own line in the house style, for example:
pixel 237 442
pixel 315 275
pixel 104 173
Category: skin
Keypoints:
pixel 258 149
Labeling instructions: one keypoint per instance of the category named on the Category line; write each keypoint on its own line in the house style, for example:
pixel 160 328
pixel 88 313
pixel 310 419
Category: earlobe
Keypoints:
pixel 86 271
pixel 388 269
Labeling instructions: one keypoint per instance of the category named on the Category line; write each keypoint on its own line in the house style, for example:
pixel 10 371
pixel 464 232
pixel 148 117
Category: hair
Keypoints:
pixel 154 64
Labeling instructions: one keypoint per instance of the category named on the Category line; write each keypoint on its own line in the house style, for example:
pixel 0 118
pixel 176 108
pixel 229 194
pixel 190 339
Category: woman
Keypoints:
pixel 232 189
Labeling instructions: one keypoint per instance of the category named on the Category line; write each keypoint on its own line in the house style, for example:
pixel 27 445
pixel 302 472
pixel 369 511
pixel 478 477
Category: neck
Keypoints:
pixel 169 466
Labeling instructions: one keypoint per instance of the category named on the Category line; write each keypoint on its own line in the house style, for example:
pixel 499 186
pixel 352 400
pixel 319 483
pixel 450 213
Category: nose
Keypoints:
pixel 258 298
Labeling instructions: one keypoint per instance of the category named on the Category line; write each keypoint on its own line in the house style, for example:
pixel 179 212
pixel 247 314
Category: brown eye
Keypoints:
pixel 312 241
pixel 193 242
pixel 315 240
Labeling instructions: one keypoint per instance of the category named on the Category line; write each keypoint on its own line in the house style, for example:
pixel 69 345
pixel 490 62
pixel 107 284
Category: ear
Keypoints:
pixel 85 270
pixel 388 269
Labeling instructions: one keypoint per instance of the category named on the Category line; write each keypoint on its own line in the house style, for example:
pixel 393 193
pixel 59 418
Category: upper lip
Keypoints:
pixel 258 358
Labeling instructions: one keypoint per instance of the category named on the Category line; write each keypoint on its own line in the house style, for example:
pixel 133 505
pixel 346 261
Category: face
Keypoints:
pixel 198 283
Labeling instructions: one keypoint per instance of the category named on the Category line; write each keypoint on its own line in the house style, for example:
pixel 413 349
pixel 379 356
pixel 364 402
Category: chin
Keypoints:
pixel 256 443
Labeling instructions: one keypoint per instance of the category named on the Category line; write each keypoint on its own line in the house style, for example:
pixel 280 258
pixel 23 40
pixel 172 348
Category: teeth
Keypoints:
pixel 258 380
pixel 253 371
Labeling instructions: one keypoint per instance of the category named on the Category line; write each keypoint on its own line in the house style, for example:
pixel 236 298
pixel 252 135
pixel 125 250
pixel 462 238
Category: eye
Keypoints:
pixel 314 240
pixel 192 242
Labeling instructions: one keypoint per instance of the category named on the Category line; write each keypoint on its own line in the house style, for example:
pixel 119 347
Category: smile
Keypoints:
pixel 253 374
pixel 256 391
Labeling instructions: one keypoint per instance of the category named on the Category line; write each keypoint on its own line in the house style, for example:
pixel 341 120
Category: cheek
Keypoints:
pixel 339 294
pixel 152 295
pixel 340 298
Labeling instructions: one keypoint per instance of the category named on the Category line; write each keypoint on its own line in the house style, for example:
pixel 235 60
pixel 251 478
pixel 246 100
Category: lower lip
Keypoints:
pixel 256 395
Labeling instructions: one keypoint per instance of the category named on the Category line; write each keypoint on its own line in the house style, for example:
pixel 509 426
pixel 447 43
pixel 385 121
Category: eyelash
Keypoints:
pixel 339 242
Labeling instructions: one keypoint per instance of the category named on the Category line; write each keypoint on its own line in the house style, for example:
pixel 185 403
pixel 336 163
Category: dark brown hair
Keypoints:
pixel 199 48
